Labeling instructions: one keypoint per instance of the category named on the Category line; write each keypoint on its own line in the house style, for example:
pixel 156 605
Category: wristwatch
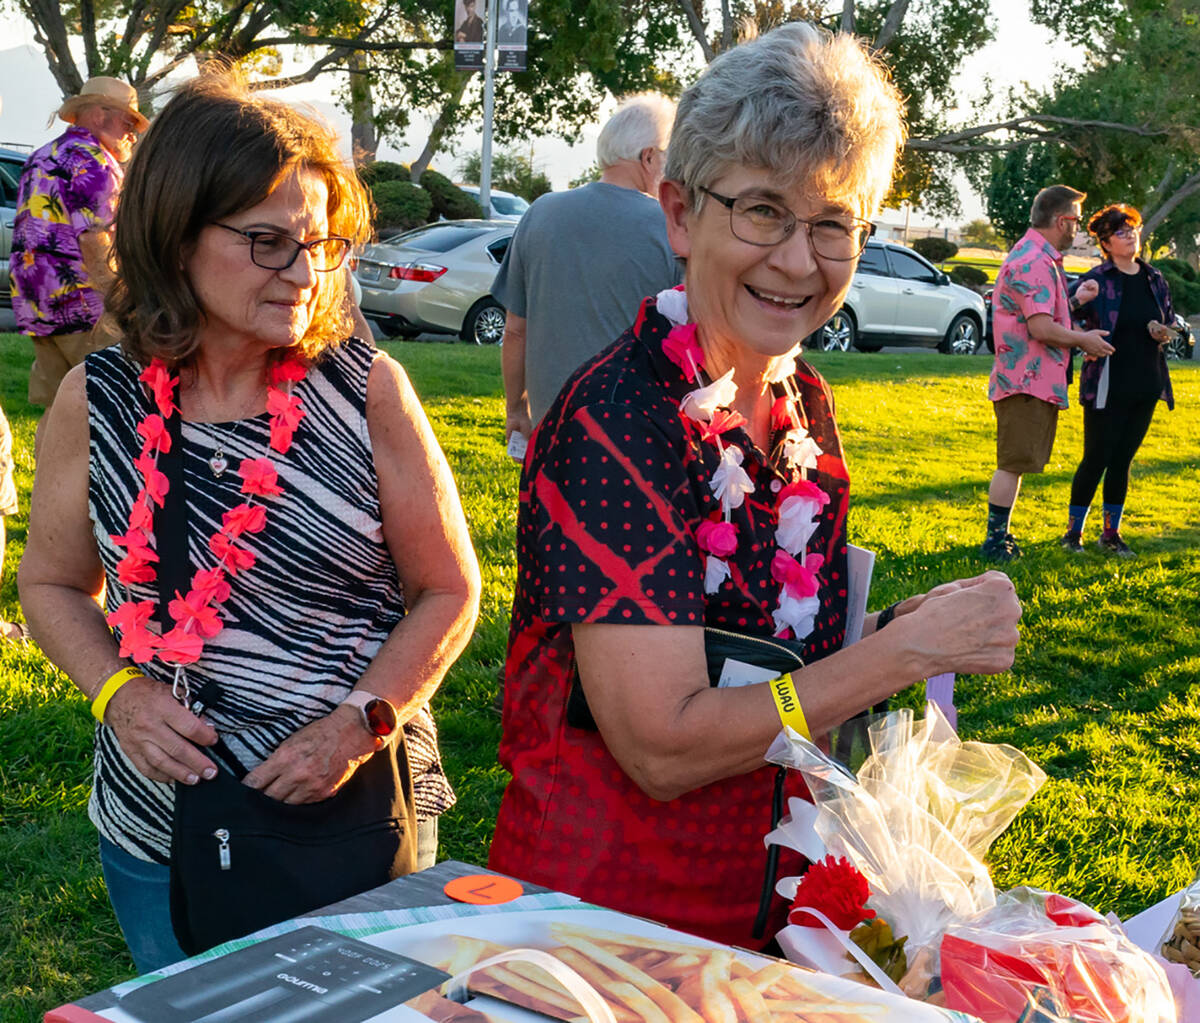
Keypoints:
pixel 377 714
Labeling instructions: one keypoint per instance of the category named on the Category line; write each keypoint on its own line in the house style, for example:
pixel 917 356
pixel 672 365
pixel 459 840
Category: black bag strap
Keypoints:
pixel 175 570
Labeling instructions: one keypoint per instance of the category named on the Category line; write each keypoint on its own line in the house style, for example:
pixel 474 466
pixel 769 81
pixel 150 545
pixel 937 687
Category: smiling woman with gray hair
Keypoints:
pixel 686 496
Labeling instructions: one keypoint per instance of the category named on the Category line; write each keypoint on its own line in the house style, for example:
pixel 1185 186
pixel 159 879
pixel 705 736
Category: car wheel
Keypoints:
pixel 484 324
pixel 1178 347
pixel 839 333
pixel 962 338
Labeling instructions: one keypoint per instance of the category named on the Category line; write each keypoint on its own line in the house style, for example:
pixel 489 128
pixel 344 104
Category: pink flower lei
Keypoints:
pixel 797 506
pixel 197 613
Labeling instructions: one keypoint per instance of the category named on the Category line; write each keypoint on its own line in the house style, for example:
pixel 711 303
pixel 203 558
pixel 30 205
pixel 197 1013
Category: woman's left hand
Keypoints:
pixel 1160 332
pixel 315 762
pixel 911 604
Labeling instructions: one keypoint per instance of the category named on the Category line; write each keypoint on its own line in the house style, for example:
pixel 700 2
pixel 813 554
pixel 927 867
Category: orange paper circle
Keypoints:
pixel 484 889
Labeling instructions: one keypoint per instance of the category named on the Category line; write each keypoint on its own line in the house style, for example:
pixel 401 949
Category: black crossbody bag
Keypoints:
pixel 240 860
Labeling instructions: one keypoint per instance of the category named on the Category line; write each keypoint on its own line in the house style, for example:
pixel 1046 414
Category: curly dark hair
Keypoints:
pixel 217 149
pixel 1108 221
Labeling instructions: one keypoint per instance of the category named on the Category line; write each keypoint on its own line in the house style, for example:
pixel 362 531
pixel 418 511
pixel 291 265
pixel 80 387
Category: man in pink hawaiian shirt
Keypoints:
pixel 1032 328
pixel 66 202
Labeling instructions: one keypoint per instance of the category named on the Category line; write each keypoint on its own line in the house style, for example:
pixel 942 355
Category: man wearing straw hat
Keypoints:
pixel 65 207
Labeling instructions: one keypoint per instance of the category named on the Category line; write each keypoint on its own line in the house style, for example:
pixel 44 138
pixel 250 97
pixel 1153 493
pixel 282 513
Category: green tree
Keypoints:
pixel 1016 177
pixel 586 176
pixel 511 172
pixel 1144 70
pixel 980 232
pixel 397 55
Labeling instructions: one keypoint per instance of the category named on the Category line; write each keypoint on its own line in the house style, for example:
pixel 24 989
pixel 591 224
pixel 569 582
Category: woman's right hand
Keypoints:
pixel 968 627
pixel 157 733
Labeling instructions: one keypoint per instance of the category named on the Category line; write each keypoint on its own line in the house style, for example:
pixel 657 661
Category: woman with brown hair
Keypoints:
pixel 332 580
pixel 1119 392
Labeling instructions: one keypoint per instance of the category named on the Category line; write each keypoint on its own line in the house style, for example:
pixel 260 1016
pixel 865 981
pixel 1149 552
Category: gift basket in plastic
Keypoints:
pixel 912 907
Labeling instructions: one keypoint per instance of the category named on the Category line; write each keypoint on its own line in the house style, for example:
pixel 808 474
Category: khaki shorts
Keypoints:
pixel 53 358
pixel 1025 428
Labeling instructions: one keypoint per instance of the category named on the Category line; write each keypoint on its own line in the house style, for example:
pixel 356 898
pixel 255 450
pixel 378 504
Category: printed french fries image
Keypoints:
pixel 644 980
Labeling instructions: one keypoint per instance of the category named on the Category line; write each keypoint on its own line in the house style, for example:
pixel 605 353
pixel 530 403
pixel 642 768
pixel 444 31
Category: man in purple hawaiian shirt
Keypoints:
pixel 65 207
pixel 1032 327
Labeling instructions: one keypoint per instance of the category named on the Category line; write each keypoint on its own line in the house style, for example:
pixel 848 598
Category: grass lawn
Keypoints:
pixel 1103 694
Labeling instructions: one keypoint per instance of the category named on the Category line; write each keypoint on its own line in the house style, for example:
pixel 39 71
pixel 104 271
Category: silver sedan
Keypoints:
pixel 436 279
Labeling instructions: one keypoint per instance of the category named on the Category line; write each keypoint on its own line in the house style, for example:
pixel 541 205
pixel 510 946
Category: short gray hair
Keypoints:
pixel 800 102
pixel 641 122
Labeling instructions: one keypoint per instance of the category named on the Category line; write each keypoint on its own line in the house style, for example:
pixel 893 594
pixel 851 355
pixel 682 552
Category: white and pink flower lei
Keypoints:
pixel 798 505
pixel 196 613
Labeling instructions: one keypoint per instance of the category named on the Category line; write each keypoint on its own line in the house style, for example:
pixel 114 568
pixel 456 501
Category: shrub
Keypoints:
pixel 1185 294
pixel 449 200
pixel 372 174
pixel 1179 267
pixel 969 275
pixel 400 204
pixel 936 250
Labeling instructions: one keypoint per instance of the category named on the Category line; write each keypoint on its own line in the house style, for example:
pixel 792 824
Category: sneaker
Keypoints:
pixel 1072 542
pixel 1113 543
pixel 1000 548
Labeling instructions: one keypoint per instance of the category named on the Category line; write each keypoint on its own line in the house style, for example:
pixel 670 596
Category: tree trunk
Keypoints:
pixel 364 142
pixel 891 24
pixel 1186 189
pixel 699 29
pixel 438 130
pixel 847 24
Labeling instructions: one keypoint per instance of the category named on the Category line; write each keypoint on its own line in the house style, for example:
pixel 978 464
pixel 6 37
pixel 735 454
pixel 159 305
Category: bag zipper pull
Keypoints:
pixel 222 836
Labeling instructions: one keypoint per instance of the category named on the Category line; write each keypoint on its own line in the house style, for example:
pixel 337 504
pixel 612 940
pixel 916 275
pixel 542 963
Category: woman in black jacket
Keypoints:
pixel 1119 392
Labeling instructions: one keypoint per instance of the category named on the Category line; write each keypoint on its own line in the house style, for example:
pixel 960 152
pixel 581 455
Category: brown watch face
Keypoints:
pixel 380 718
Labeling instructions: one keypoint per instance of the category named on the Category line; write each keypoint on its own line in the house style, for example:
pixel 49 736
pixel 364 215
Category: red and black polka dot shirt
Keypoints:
pixel 615 485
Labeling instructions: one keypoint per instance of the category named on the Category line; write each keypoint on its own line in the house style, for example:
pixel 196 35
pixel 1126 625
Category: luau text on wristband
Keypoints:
pixel 787 703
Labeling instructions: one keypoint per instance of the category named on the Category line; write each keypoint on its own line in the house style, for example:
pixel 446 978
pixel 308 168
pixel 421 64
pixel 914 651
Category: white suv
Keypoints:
pixel 898 297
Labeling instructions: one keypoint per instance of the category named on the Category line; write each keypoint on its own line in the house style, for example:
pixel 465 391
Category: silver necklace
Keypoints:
pixel 217 462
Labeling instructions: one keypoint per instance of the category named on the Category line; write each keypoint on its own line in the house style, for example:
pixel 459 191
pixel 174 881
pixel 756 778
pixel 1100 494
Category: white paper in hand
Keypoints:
pixel 518 444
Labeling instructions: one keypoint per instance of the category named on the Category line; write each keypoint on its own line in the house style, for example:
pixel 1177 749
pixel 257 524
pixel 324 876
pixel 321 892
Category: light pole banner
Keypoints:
pixel 468 34
pixel 511 35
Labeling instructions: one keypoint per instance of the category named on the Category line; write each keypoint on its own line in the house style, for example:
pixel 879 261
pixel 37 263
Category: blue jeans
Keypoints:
pixel 140 895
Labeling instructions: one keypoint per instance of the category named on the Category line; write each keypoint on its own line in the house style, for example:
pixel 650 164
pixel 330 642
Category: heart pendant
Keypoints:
pixel 218 463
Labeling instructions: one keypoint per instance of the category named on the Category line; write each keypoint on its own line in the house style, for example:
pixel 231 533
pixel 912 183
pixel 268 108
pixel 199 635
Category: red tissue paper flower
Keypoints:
pixel 259 477
pixel 719 538
pixel 162 384
pixel 836 888
pixel 682 348
pixel 722 420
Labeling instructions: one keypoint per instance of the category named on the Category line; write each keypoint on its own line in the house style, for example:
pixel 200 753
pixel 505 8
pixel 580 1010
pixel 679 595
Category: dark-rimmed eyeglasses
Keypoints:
pixel 274 251
pixel 758 221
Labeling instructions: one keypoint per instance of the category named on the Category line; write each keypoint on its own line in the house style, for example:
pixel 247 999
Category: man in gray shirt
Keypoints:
pixel 581 262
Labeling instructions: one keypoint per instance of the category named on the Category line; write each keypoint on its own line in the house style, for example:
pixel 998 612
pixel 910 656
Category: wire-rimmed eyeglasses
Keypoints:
pixel 759 221
pixel 274 251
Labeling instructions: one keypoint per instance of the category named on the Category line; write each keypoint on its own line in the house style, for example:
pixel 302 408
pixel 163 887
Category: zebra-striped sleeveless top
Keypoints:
pixel 302 625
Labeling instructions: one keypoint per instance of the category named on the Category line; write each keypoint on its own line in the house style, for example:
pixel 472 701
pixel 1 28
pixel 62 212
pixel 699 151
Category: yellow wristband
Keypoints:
pixel 109 689
pixel 788 705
